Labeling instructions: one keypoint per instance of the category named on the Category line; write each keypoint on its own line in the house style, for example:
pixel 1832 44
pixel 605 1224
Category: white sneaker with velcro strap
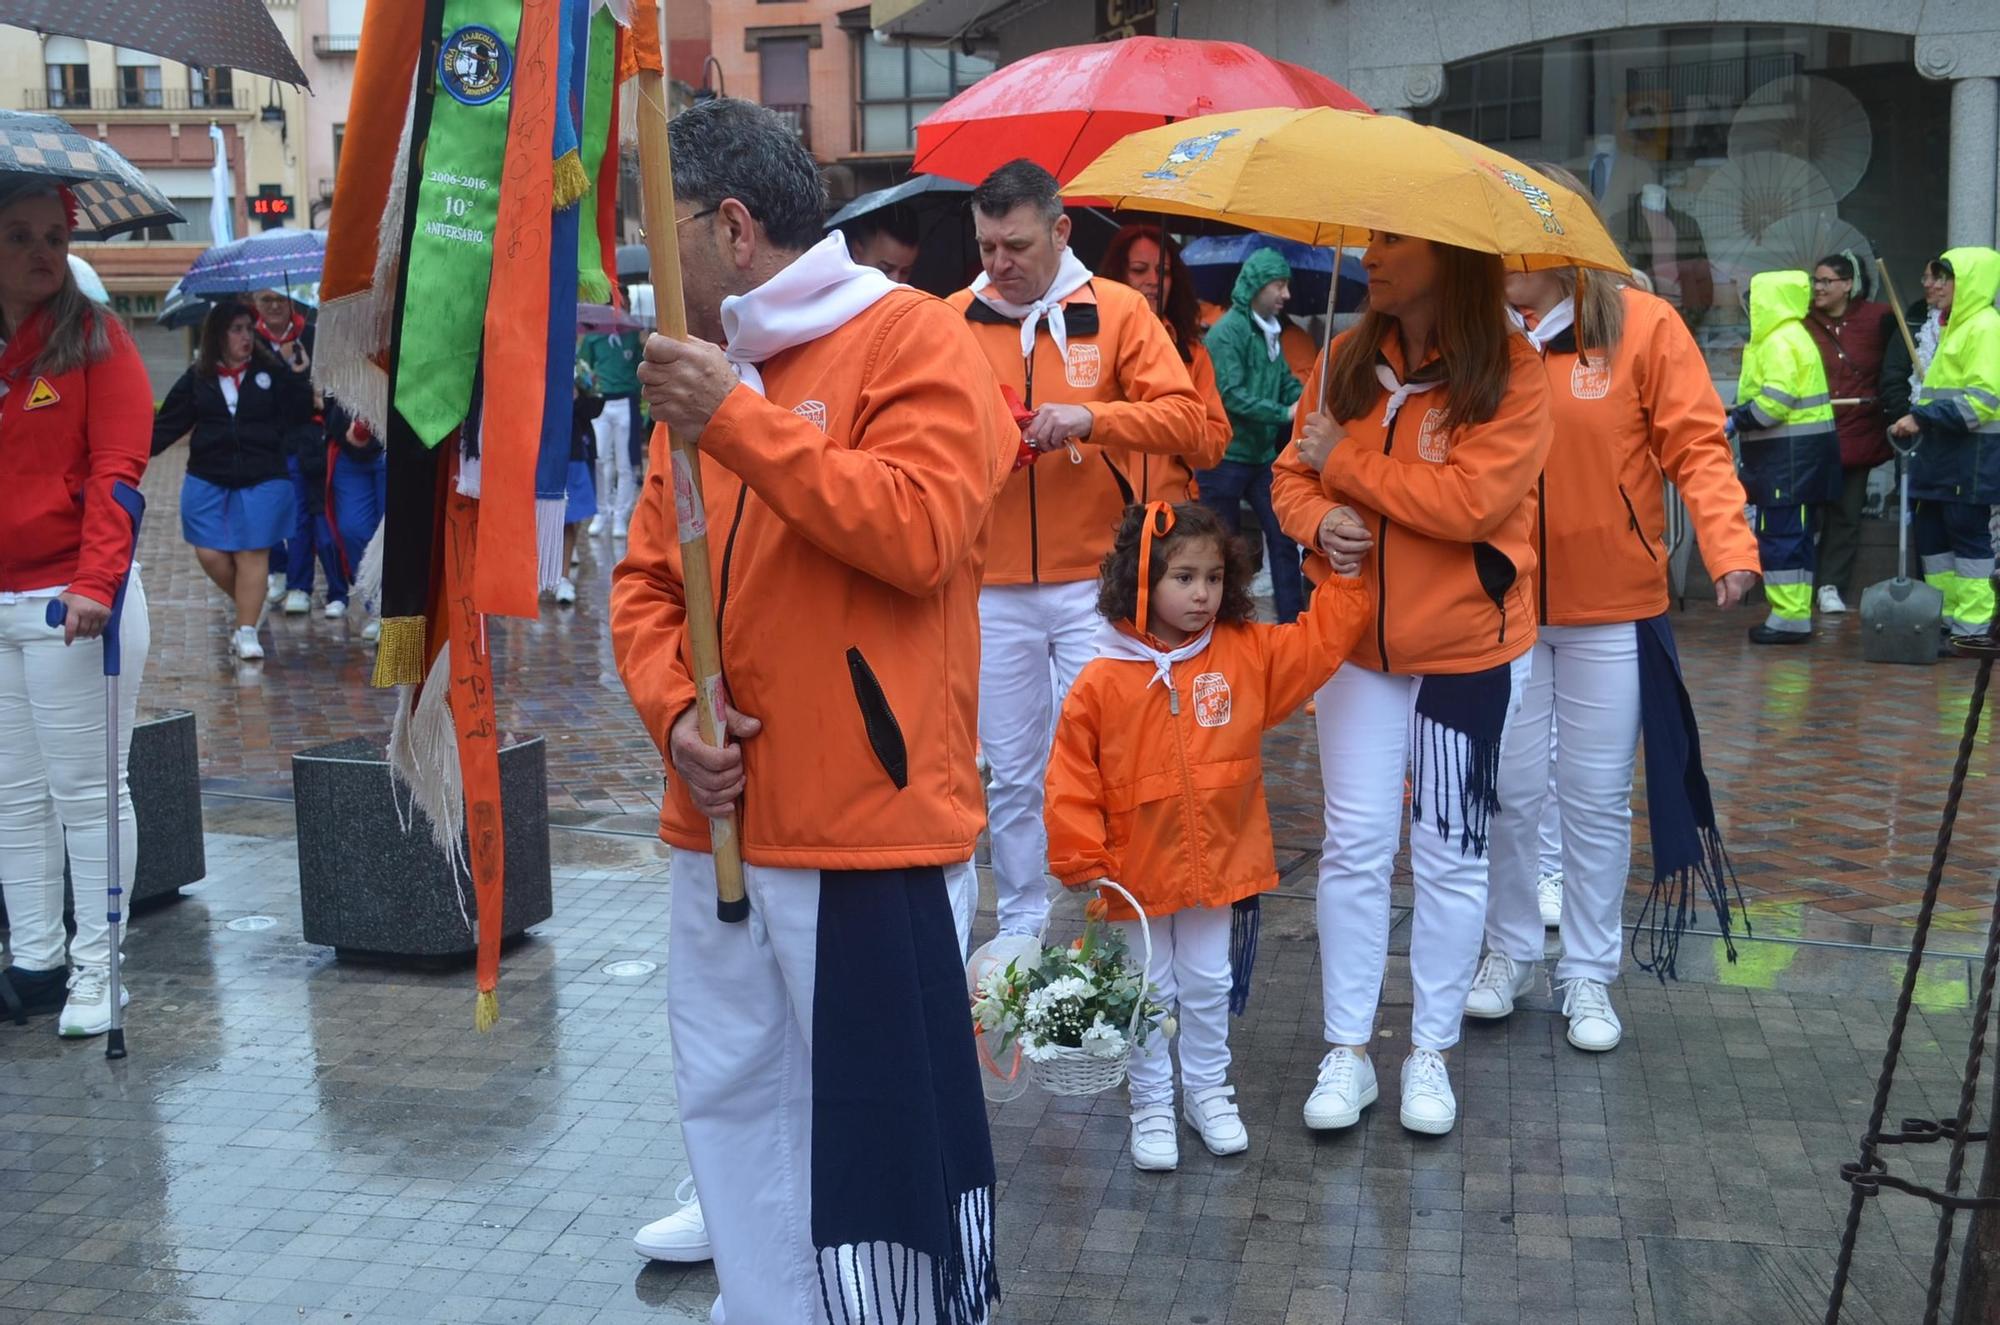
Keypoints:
pixel 1212 1114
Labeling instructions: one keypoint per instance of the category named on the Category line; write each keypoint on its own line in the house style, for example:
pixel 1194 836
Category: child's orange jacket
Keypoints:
pixel 1161 788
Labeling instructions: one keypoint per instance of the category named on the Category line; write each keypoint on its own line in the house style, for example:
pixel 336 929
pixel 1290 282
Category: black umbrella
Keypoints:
pixel 213 34
pixel 914 187
pixel 633 263
pixel 111 195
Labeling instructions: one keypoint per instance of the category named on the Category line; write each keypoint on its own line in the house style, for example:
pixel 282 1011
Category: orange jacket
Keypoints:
pixel 1301 351
pixel 845 517
pixel 1055 519
pixel 1452 514
pixel 1163 791
pixel 1171 478
pixel 1601 513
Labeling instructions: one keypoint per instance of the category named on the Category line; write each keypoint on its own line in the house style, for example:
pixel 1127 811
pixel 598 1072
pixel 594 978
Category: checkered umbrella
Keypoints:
pixel 111 195
pixel 214 34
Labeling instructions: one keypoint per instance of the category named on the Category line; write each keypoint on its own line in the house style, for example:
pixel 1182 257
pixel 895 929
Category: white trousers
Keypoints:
pixel 52 778
pixel 1190 977
pixel 1024 631
pixel 962 885
pixel 1549 834
pixel 1584 684
pixel 1367 730
pixel 614 437
pixel 740 1008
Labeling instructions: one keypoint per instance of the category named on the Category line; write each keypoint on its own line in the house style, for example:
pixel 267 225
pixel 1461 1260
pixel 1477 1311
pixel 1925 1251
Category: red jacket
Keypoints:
pixel 65 438
pixel 1852 351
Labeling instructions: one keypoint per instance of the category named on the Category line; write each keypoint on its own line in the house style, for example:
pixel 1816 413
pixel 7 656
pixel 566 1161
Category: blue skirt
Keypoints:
pixel 237 519
pixel 582 503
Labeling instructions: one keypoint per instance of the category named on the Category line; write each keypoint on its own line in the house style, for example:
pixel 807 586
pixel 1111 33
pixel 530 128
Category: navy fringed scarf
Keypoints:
pixel 1472 707
pixel 1687 844
pixel 1245 918
pixel 902 1164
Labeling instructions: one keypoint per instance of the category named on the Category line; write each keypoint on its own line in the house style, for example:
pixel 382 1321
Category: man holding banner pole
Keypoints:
pixel 851 438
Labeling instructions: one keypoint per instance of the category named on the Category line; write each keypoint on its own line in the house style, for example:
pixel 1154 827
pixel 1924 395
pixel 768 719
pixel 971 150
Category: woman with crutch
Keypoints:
pixel 75 421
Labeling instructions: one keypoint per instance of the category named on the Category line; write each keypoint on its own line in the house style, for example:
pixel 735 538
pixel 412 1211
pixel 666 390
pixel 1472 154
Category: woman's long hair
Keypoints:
pixel 1472 332
pixel 78 329
pixel 1181 310
pixel 208 359
pixel 1600 309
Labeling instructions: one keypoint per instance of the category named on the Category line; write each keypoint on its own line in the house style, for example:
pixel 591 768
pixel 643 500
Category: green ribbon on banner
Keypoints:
pixel 450 256
pixel 600 73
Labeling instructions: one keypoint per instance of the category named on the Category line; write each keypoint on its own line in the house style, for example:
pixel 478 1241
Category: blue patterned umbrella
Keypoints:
pixel 111 195
pixel 268 260
pixel 1215 259
pixel 214 34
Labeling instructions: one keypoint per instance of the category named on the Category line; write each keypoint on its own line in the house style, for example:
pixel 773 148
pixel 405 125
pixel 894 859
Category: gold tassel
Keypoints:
pixel 571 181
pixel 486 1010
pixel 399 652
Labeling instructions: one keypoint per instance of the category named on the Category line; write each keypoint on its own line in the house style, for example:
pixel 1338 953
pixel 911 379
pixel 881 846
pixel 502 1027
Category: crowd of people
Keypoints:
pixel 983 569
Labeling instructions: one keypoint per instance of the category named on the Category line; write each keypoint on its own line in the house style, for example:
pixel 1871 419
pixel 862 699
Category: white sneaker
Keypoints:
pixel 1155 1148
pixel 1549 897
pixel 334 610
pixel 1428 1105
pixel 246 645
pixel 298 602
pixel 1499 982
pixel 1593 1026
pixel 274 588
pixel 1346 1087
pixel 618 531
pixel 566 591
pixel 1212 1114
pixel 88 1011
pixel 682 1237
pixel 373 630
pixel 1830 601
pixel 595 527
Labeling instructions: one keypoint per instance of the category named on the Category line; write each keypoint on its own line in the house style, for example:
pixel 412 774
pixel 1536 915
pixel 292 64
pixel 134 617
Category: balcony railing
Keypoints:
pixel 325 44
pixel 112 98
pixel 799 117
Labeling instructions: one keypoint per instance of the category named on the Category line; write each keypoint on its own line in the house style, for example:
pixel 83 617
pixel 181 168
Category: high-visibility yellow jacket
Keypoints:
pixel 1784 411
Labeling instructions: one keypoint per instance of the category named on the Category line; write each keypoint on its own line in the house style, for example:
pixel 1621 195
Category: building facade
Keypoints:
pixel 1720 137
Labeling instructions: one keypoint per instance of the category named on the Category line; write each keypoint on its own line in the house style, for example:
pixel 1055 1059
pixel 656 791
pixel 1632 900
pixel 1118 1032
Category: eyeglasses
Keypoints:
pixel 696 216
pixel 1830 280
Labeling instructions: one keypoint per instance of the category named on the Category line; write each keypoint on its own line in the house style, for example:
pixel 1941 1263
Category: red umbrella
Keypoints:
pixel 1062 108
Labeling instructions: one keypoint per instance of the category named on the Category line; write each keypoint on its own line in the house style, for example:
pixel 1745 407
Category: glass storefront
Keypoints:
pixel 1718 152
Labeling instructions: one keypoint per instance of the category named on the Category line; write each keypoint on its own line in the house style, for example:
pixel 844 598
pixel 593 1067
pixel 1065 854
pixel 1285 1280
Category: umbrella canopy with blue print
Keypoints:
pixel 111 195
pixel 1214 260
pixel 213 34
pixel 269 260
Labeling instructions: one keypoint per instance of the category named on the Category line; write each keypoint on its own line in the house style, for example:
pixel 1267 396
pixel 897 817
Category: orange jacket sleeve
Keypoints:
pixel 118 437
pixel 1482 479
pixel 1685 433
pixel 1159 410
pixel 1201 371
pixel 648 607
pixel 905 497
pixel 1297 494
pixel 1299 657
pixel 1073 801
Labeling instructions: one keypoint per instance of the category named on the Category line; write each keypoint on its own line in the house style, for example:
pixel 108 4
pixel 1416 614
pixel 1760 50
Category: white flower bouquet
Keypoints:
pixel 1076 1012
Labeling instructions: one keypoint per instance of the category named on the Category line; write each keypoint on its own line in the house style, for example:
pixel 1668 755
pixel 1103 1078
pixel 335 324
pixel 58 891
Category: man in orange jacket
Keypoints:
pixel 1093 363
pixel 851 441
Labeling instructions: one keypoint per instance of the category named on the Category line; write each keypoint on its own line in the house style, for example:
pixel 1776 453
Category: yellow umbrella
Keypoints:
pixel 1328 177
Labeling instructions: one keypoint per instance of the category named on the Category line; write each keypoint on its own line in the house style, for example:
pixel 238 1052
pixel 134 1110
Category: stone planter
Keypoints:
pixel 368 889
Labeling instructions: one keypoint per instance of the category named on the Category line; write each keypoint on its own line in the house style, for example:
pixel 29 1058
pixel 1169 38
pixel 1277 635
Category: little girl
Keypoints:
pixel 1157 781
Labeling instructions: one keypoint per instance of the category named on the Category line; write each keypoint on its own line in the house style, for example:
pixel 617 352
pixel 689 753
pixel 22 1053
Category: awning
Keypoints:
pixel 946 20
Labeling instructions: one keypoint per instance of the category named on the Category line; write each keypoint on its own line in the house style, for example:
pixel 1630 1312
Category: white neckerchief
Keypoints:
pixel 1553 323
pixel 1115 643
pixel 1399 391
pixel 1071 276
pixel 1271 329
pixel 818 292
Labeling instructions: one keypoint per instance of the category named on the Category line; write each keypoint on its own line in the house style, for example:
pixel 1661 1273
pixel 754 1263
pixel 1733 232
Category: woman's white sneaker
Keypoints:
pixel 681 1237
pixel 1155 1148
pixel 1212 1114
pixel 1499 982
pixel 245 643
pixel 1346 1086
pixel 1549 899
pixel 88 1010
pixel 1428 1105
pixel 274 589
pixel 1593 1026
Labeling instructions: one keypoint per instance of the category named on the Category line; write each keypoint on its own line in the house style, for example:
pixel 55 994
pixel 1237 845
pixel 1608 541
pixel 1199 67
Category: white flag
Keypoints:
pixel 222 192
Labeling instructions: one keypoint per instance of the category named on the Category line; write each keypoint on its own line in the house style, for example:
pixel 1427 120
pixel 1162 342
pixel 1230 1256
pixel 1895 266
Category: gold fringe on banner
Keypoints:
pixel 486 1010
pixel 399 653
pixel 570 180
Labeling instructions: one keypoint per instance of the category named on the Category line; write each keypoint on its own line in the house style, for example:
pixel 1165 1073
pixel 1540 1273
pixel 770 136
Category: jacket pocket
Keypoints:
pixel 1632 514
pixel 1496 576
pixel 885 735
